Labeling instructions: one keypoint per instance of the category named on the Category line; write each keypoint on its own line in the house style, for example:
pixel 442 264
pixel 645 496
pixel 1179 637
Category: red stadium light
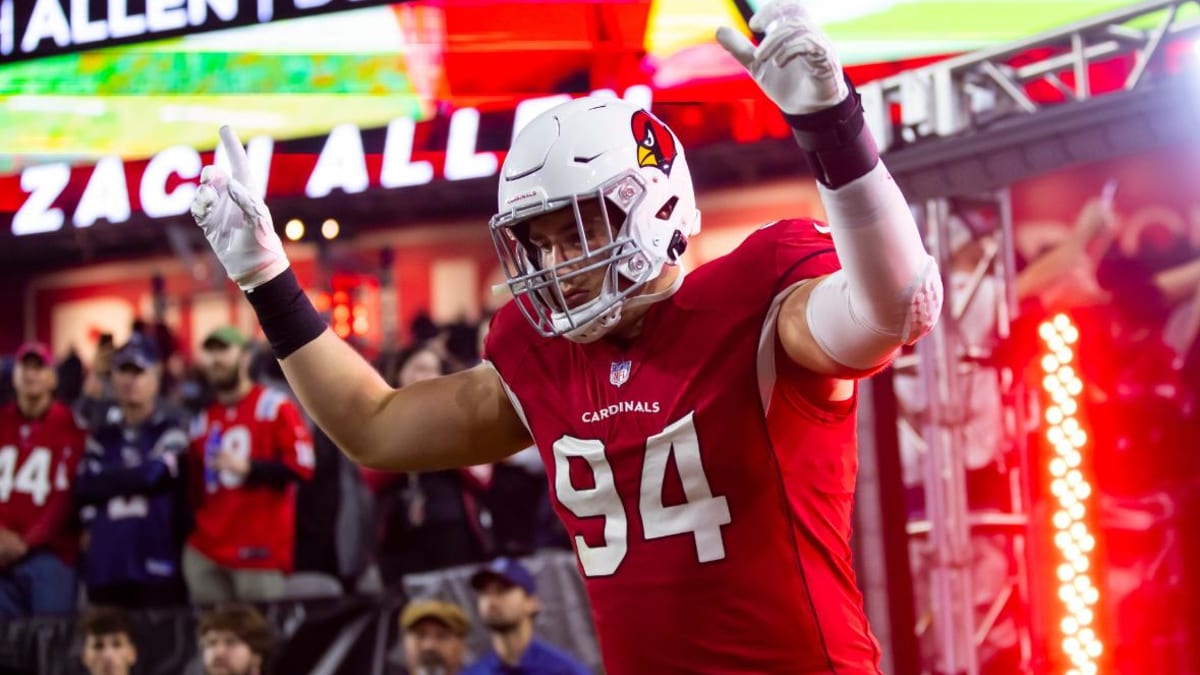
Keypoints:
pixel 359 323
pixel 341 314
pixel 1069 486
pixel 322 301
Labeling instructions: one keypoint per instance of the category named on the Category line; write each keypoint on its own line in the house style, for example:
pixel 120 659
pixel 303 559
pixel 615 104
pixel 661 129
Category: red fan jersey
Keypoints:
pixel 38 458
pixel 248 526
pixel 707 495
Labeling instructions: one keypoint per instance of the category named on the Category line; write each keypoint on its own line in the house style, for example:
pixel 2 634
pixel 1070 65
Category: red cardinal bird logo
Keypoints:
pixel 656 145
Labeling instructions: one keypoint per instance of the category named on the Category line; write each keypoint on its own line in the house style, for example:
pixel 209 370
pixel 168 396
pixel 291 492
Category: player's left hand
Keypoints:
pixel 795 64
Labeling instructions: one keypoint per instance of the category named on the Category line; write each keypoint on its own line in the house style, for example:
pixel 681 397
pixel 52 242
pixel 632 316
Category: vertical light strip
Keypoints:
pixel 1077 592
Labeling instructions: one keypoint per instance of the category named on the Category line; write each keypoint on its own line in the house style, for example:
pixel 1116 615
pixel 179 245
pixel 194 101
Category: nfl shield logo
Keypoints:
pixel 619 374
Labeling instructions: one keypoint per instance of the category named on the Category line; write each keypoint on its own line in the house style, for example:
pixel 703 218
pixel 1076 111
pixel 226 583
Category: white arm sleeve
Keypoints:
pixel 888 292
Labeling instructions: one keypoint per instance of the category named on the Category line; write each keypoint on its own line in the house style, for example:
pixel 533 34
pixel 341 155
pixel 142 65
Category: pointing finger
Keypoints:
pixel 736 44
pixel 238 161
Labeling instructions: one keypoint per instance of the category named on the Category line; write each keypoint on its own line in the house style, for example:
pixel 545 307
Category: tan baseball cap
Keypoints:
pixel 448 614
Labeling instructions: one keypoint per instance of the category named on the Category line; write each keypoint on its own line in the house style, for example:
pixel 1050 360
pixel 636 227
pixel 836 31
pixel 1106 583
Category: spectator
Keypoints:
pixel 434 635
pixel 7 393
pixel 249 450
pixel 131 491
pixel 97 395
pixel 70 378
pixel 517 500
pixel 430 520
pixel 333 515
pixel 235 639
pixel 40 446
pixel 108 644
pixel 508 603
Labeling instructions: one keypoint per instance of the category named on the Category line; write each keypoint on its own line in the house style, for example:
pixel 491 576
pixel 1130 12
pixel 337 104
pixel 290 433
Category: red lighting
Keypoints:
pixel 1071 490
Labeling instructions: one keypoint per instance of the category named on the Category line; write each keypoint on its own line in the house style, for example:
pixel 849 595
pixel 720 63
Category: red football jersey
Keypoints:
pixel 708 497
pixel 38 458
pixel 239 526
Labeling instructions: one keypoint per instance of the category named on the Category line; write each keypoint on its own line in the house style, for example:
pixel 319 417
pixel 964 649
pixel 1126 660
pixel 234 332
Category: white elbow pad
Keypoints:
pixel 889 290
pixel 855 342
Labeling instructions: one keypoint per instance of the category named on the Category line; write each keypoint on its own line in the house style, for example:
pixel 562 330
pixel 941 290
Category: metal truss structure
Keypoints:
pixel 955 135
pixel 969 123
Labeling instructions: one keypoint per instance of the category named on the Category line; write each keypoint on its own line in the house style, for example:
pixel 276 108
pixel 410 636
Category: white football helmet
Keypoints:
pixel 594 148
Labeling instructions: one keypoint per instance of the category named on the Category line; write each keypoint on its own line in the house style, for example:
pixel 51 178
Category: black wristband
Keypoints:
pixel 286 315
pixel 836 141
pixel 275 475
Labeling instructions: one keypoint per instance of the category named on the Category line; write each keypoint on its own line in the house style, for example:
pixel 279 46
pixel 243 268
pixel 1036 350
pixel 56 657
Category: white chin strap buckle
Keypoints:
pixel 592 330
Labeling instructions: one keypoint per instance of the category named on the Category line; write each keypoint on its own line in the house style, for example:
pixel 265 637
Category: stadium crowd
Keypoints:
pixel 153 478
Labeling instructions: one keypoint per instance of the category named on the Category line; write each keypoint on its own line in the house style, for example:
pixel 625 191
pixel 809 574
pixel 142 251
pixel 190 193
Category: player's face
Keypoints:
pixel 135 386
pixel 33 378
pixel 503 607
pixel 430 647
pixel 553 238
pixel 111 654
pixel 423 365
pixel 222 365
pixel 225 654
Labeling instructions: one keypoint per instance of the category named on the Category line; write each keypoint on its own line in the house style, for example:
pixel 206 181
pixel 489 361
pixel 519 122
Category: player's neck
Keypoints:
pixel 510 645
pixel 232 396
pixel 33 407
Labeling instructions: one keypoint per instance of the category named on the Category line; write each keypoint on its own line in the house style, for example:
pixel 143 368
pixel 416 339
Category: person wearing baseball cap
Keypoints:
pixel 508 603
pixel 224 337
pixel 252 448
pixel 139 353
pixel 137 453
pixel 35 350
pixel 43 443
pixel 434 635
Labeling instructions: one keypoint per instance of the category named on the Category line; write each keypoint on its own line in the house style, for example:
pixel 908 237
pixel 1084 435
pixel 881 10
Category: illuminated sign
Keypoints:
pixel 168 180
pixel 385 96
pixel 43 27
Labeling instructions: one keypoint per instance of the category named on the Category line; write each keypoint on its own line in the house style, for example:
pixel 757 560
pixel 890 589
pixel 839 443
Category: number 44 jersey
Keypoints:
pixel 38 459
pixel 707 491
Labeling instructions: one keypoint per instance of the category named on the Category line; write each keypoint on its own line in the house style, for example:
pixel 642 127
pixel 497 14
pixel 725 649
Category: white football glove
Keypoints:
pixel 236 223
pixel 795 64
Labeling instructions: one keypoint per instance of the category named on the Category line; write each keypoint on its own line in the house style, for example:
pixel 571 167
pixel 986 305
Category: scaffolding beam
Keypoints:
pixel 960 132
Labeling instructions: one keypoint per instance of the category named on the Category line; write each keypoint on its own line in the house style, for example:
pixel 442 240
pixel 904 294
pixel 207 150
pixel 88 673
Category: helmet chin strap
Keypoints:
pixel 596 328
pixel 650 298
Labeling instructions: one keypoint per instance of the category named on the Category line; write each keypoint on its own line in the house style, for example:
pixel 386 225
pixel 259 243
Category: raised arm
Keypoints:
pixel 1083 247
pixel 888 292
pixel 456 420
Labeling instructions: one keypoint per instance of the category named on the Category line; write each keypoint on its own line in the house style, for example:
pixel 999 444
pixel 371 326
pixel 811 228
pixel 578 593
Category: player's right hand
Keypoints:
pixel 236 223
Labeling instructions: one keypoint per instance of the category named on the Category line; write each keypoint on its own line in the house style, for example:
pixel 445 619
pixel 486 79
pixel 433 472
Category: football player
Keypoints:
pixel 698 429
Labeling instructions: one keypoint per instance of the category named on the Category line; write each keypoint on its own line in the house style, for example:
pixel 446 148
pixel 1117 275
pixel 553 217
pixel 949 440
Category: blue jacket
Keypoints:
pixel 132 500
pixel 539 659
